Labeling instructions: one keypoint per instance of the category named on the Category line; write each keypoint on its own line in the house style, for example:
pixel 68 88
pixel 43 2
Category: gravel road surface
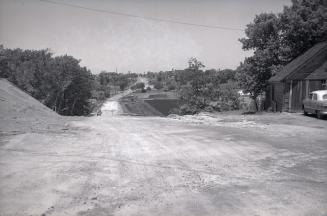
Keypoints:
pixel 123 165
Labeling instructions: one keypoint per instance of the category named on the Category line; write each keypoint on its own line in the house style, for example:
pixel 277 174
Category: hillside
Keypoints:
pixel 21 112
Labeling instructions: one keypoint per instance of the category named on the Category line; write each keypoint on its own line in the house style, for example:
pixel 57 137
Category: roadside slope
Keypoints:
pixel 19 111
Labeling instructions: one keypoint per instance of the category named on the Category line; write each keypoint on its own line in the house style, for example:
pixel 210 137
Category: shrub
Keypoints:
pixel 186 109
pixel 158 85
pixel 171 87
pixel 139 85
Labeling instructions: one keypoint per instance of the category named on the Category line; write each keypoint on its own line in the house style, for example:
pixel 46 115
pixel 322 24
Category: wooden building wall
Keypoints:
pixel 278 96
pixel 299 93
pixel 315 85
pixel 283 97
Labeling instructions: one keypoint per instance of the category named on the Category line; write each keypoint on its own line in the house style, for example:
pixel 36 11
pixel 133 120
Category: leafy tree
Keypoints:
pixel 73 88
pixel 105 81
pixel 207 87
pixel 198 89
pixel 60 82
pixel 302 25
pixel 194 64
pixel 263 38
pixel 139 85
pixel 278 39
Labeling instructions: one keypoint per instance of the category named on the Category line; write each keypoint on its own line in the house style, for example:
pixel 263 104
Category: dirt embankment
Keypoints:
pixel 20 112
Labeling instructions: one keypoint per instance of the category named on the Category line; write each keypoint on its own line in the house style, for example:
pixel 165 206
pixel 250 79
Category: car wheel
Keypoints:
pixel 319 115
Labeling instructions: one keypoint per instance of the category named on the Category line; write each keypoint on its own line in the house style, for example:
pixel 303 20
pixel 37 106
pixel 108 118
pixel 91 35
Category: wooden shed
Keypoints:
pixel 296 80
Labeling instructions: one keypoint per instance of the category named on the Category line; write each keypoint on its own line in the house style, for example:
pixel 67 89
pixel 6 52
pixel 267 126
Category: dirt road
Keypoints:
pixel 122 165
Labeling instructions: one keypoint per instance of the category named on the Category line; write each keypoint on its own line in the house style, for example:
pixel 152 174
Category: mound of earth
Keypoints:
pixel 20 112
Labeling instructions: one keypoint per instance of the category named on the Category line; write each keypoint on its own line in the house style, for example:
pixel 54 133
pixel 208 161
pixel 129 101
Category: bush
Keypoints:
pixel 139 85
pixel 209 109
pixel 98 95
pixel 186 109
pixel 158 85
pixel 171 87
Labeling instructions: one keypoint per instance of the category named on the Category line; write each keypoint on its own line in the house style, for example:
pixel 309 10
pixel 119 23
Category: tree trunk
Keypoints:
pixel 73 107
pixel 256 107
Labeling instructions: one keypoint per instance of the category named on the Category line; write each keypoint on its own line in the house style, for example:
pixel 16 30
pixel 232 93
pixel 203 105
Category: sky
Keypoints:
pixel 110 42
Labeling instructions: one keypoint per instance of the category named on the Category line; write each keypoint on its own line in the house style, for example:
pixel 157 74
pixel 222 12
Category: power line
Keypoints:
pixel 141 17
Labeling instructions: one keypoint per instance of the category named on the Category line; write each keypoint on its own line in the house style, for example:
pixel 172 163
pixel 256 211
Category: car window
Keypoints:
pixel 324 97
pixel 315 97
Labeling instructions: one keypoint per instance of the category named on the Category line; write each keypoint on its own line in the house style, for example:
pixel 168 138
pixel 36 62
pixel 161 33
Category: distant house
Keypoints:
pixel 296 80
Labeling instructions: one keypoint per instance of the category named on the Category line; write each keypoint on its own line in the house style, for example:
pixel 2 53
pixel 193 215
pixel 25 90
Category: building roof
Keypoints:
pixel 320 73
pixel 299 62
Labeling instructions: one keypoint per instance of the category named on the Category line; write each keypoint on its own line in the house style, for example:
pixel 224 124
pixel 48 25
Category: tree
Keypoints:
pixel 288 34
pixel 302 25
pixel 139 85
pixel 194 64
pixel 58 82
pixel 105 81
pixel 263 38
pixel 277 39
pixel 210 86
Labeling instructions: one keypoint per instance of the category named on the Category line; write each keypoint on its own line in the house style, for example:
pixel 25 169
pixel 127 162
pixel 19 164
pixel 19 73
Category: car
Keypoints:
pixel 316 103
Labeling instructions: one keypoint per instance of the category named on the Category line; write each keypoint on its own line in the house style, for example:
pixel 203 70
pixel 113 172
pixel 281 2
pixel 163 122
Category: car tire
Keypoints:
pixel 319 115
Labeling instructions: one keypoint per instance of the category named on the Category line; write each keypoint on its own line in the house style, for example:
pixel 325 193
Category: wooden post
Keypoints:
pixel 290 97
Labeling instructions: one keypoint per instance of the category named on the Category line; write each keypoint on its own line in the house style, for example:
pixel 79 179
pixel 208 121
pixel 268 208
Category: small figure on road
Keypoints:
pixel 99 112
